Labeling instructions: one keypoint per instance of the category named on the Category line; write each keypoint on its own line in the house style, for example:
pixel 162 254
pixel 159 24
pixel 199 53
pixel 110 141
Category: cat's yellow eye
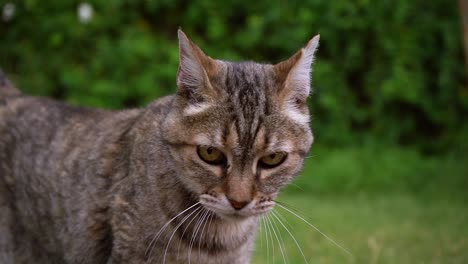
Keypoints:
pixel 273 159
pixel 211 155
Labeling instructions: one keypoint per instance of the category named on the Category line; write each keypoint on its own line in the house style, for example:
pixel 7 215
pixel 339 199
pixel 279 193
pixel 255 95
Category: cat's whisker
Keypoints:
pixel 195 232
pixel 197 223
pixel 205 220
pixel 183 233
pixel 150 245
pixel 280 241
pixel 275 235
pixel 260 231
pixel 275 214
pixel 177 227
pixel 209 224
pixel 189 252
pixel 293 208
pixel 314 227
pixel 270 231
pixel 284 220
pixel 211 216
pixel 266 239
pixel 297 186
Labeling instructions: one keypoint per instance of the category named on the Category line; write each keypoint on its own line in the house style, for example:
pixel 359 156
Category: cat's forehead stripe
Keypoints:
pixel 247 94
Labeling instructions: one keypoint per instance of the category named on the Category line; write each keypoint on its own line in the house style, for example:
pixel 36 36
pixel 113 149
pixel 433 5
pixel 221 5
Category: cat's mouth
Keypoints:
pixel 232 217
pixel 229 216
pixel 223 209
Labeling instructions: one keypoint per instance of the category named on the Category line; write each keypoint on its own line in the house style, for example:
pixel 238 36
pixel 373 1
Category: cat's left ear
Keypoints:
pixel 195 71
pixel 295 73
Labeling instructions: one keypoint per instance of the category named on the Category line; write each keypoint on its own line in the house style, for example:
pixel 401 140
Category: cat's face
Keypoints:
pixel 238 132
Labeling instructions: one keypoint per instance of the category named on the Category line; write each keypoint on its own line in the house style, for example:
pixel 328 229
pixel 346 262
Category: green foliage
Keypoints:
pixel 385 72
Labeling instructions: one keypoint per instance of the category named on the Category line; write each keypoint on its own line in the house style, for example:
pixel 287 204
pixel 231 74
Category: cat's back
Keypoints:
pixel 19 112
pixel 45 135
pixel 36 124
pixel 54 160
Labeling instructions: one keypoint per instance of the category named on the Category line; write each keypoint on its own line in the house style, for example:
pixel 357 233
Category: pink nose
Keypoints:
pixel 238 205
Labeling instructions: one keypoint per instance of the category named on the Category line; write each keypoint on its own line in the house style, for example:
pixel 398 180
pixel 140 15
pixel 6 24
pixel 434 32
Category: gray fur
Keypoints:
pixel 81 185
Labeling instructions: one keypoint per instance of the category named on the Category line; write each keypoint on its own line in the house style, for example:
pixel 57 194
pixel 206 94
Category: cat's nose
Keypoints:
pixel 238 205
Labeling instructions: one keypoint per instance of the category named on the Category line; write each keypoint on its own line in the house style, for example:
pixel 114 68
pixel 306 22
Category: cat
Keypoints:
pixel 183 180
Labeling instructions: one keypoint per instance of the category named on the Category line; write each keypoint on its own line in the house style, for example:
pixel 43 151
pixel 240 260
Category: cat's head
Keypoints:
pixel 238 132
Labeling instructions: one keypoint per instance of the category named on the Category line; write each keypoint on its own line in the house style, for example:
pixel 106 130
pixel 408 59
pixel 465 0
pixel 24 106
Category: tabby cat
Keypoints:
pixel 183 180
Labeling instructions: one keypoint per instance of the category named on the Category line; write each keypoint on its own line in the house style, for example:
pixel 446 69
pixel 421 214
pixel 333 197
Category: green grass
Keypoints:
pixel 386 205
pixel 373 170
pixel 388 228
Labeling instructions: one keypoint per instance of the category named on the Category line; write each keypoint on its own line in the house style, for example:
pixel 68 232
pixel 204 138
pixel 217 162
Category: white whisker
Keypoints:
pixel 175 230
pixel 281 243
pixel 260 232
pixel 195 232
pixel 271 240
pixel 284 220
pixel 287 230
pixel 297 186
pixel 311 225
pixel 266 239
pixel 205 220
pixel 211 219
pixel 277 239
pixel 151 245
pixel 194 228
pixel 183 233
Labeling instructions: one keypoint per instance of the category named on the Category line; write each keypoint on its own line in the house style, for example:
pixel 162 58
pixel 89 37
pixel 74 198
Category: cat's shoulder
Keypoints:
pixel 161 106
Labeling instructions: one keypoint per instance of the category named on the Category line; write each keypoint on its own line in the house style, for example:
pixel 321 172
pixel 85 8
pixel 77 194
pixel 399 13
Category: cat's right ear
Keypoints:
pixel 295 72
pixel 295 77
pixel 195 70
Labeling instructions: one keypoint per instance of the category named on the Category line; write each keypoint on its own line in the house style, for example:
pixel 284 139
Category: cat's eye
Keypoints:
pixel 211 155
pixel 272 160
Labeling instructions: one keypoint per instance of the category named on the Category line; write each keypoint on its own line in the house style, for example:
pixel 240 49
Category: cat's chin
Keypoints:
pixel 234 217
pixel 227 215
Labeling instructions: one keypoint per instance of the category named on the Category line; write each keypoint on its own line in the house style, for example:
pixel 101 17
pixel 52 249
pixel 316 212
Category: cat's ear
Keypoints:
pixel 195 70
pixel 295 72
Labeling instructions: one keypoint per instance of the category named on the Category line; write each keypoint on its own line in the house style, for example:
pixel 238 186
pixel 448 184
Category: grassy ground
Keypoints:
pixel 390 228
pixel 386 205
pixel 377 169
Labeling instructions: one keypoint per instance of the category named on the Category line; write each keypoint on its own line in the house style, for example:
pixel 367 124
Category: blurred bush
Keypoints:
pixel 390 72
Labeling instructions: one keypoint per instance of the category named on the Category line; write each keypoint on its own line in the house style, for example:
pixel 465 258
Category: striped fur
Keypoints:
pixel 81 185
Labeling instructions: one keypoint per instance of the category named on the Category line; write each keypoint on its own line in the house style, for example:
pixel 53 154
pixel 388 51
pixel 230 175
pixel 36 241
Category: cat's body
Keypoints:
pixel 92 186
pixel 82 184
